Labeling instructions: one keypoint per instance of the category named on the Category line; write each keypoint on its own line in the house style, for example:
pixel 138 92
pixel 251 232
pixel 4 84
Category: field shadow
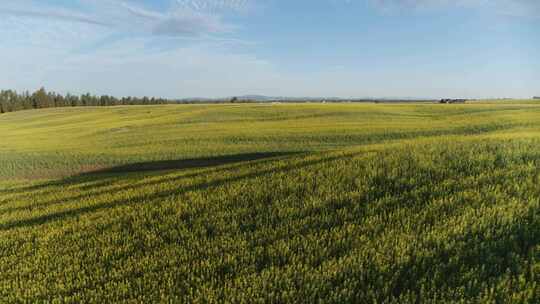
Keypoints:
pixel 156 196
pixel 105 176
pixel 195 163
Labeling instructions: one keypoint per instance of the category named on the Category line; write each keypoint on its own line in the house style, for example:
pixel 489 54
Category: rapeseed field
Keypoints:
pixel 287 203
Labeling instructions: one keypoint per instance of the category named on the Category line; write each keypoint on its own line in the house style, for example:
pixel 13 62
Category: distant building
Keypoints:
pixel 452 101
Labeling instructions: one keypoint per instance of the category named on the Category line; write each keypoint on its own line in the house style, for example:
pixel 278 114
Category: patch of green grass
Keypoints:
pixel 283 203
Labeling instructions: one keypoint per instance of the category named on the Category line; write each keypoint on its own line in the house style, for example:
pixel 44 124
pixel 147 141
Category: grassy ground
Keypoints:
pixel 271 203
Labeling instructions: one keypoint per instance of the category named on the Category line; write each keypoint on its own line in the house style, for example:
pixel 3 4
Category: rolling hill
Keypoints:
pixel 351 203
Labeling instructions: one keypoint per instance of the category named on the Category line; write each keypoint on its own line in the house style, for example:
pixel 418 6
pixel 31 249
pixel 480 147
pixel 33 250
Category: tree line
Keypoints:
pixel 11 101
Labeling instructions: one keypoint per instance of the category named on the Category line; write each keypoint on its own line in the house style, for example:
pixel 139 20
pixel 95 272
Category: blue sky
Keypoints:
pixel 214 48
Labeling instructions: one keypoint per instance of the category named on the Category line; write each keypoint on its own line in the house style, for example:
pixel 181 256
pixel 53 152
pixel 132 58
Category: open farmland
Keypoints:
pixel 349 203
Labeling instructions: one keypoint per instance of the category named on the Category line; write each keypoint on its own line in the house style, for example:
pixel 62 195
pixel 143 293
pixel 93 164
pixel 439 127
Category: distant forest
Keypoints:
pixel 11 101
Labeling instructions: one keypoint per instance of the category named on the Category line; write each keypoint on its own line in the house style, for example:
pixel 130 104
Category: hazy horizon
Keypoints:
pixel 221 48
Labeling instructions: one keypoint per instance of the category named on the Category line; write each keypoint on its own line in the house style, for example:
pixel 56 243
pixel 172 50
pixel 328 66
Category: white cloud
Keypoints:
pixel 215 5
pixel 46 52
pixel 516 8
pixel 52 46
pixel 53 14
pixel 182 19
pixel 182 51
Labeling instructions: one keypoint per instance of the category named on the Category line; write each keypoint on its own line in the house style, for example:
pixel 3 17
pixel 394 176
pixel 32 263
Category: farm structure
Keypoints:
pixel 452 101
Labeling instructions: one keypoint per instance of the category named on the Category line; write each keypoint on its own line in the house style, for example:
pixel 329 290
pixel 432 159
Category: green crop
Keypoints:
pixel 339 203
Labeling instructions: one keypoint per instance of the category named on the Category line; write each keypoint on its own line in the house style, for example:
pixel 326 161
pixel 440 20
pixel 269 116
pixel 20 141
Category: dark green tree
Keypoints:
pixel 41 99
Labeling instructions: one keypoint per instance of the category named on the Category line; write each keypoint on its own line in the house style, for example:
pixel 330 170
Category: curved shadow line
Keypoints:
pixel 134 186
pixel 163 165
pixel 160 195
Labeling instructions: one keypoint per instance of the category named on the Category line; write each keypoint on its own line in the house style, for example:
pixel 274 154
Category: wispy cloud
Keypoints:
pixel 182 18
pixel 175 50
pixel 192 47
pixel 54 14
pixel 517 8
pixel 215 5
